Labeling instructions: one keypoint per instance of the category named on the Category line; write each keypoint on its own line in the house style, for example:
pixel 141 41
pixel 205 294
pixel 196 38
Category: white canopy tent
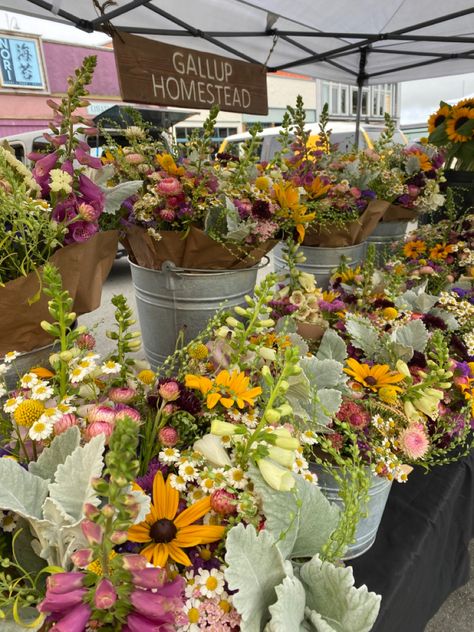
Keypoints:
pixel 359 42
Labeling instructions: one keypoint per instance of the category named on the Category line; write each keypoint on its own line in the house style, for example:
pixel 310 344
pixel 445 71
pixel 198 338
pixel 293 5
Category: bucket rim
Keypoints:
pixel 168 266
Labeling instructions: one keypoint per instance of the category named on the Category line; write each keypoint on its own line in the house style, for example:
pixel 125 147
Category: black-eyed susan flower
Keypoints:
pixel 229 389
pixel 440 252
pixel 373 377
pixel 166 532
pixel 414 248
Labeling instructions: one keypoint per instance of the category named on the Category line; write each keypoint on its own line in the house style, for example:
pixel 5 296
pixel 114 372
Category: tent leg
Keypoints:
pixel 361 77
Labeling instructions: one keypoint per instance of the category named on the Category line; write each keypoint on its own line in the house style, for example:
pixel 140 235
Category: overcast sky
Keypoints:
pixel 418 98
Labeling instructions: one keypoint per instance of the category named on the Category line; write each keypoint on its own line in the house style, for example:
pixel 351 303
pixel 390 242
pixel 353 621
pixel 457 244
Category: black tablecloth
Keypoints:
pixel 421 552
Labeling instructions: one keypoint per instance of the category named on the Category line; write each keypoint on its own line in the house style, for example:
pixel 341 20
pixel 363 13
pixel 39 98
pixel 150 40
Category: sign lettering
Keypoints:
pixel 152 72
pixel 20 63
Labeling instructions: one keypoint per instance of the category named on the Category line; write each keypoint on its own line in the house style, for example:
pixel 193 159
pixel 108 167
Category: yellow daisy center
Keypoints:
pixel 28 412
pixel 211 583
pixel 224 605
pixel 193 615
pixel 146 376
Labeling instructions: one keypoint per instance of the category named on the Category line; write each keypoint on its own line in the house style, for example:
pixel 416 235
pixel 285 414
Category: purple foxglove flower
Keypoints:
pixel 134 562
pixel 59 602
pixel 91 192
pixel 138 623
pixel 85 158
pixel 45 164
pixel 67 167
pixel 65 211
pixel 174 589
pixel 75 620
pixel 105 595
pixel 83 231
pixel 64 582
pixel 152 605
pixel 57 141
pixel 82 558
pixel 149 577
pixel 92 531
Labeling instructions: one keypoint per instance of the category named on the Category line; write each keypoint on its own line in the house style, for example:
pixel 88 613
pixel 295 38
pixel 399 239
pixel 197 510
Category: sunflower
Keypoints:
pixel 414 248
pixel 229 389
pixel 373 377
pixel 465 103
pixel 459 117
pixel 438 118
pixel 168 533
pixel 440 252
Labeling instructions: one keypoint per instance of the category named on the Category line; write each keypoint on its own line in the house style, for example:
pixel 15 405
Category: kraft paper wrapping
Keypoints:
pixel 84 268
pixel 195 251
pixel 396 213
pixel 333 236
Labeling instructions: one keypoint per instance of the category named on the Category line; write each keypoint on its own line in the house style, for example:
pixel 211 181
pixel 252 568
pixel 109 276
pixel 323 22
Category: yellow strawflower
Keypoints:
pixel 28 412
pixel 198 351
pixel 147 376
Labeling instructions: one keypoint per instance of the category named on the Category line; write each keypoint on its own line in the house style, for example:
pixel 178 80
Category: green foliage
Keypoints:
pixel 126 341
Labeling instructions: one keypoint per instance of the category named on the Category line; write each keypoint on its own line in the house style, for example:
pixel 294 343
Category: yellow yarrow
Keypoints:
pixel 96 566
pixel 147 376
pixel 198 351
pixel 28 412
pixel 390 313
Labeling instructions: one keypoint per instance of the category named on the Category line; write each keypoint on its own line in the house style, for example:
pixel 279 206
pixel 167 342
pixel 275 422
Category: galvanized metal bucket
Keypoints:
pixel 367 528
pixel 384 235
pixel 174 300
pixel 321 261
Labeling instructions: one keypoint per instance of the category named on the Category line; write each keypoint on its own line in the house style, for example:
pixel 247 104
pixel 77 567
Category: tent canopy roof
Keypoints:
pixel 365 41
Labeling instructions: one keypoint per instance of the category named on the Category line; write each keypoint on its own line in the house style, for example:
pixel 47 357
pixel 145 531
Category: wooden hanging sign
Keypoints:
pixel 156 73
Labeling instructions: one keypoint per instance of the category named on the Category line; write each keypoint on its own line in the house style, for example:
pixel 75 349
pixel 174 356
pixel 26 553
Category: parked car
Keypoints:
pixel 342 134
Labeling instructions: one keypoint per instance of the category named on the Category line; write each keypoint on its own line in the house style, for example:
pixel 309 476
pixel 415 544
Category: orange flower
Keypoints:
pixel 440 252
pixel 425 163
pixel 317 188
pixel 414 248
pixel 167 163
pixel 288 198
pixel 229 389
pixel 374 377
pixel 168 533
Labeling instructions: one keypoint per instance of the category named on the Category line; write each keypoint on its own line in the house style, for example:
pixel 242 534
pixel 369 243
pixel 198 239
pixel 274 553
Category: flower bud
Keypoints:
pixel 281 456
pixel 240 311
pixel 222 428
pixel 92 531
pixel 285 409
pixel 276 476
pixel 134 562
pixel 272 416
pixel 168 436
pixel 105 595
pixel 119 537
pixel 148 578
pixel 267 354
pixel 82 558
pixel 169 391
pixel 64 582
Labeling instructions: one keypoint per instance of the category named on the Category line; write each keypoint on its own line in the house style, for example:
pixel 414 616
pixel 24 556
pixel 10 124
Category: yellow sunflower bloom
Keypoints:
pixel 228 389
pixel 438 118
pixel 167 163
pixel 166 533
pixel 374 377
pixel 459 117
pixel 414 248
pixel 440 252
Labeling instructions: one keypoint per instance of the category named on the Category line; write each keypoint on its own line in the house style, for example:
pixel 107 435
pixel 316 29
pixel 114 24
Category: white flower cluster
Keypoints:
pixel 20 168
pixel 386 462
pixel 462 310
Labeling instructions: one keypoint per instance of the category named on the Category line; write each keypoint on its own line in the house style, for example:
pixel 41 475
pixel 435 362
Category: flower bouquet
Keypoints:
pixel 51 214
pixel 158 502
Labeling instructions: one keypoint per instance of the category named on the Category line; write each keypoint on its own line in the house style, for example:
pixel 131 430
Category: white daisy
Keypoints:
pixel 310 477
pixel 111 367
pixel 50 415
pixel 65 407
pixel 10 356
pixel 207 484
pixel 42 391
pixel 12 404
pixel 41 430
pixel 169 455
pixel 195 495
pixel 308 437
pixel 187 471
pixel 211 583
pixel 29 380
pixel 77 374
pixel 191 610
pixel 300 463
pixel 177 482
pixel 3 390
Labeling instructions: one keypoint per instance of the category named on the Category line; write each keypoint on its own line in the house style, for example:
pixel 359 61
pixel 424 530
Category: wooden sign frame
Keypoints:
pixel 156 73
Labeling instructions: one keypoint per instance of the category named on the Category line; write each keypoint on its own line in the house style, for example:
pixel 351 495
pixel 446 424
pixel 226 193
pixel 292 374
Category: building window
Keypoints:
pixel 336 95
pixel 183 133
pixel 342 99
pixel 365 101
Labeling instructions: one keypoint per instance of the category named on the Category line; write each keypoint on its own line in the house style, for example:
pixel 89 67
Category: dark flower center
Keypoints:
pixel 370 380
pixel 439 119
pixel 163 531
pixel 460 122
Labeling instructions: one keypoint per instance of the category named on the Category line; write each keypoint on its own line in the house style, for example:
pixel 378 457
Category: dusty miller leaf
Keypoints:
pixel 334 604
pixel 254 568
pixel 413 334
pixel 323 373
pixel 332 347
pixel 62 446
pixel 21 491
pixel 450 320
pixel 28 617
pixel 115 196
pixel 72 482
pixel 301 521
pixel 364 336
pixel 288 611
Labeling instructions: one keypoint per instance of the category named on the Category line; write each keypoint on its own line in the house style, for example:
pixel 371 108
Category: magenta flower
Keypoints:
pixel 82 231
pixel 44 165
pixel 138 623
pixel 85 158
pixel 149 577
pixel 91 192
pixel 92 531
pixel 68 167
pixel 75 620
pixel 82 558
pixel 154 606
pixel 105 595
pixel 60 583
pixel 59 602
pixel 169 186
pixel 134 562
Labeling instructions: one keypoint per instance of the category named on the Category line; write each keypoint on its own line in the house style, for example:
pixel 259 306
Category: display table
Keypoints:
pixel 421 552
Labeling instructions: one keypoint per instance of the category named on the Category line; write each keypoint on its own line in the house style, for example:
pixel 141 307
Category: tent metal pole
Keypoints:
pixel 361 77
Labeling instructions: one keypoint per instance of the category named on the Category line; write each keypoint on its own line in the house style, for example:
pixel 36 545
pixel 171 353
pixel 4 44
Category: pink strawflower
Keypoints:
pixel 88 212
pixel 98 427
pixel 414 442
pixel 105 594
pixel 65 422
pixel 169 391
pixel 102 414
pixel 167 214
pixel 169 186
pixel 121 395
pixel 223 502
pixel 86 341
pixel 134 159
pixel 130 413
pixel 168 436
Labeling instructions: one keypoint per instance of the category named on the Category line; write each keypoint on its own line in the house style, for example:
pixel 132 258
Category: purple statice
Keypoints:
pixel 334 306
pixel 463 369
pixel 146 481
